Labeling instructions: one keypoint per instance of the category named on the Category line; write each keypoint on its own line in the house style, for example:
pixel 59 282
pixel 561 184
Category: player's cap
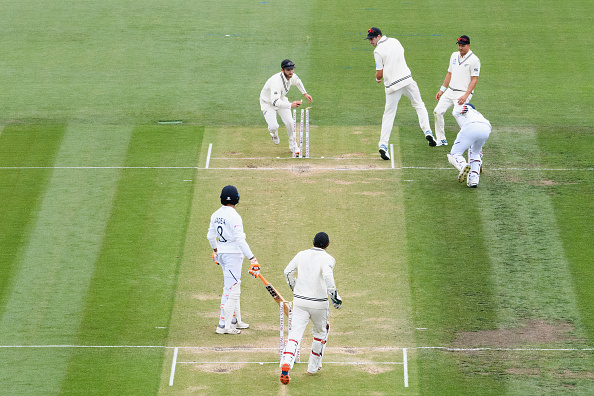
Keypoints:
pixel 287 64
pixel 464 40
pixel 229 195
pixel 373 32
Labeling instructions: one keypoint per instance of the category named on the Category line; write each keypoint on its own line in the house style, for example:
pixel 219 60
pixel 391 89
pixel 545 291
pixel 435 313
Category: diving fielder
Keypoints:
pixel 227 239
pixel 458 85
pixel 310 301
pixel 273 99
pixel 474 132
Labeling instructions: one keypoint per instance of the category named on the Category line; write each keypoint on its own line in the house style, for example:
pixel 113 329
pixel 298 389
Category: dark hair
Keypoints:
pixel 321 240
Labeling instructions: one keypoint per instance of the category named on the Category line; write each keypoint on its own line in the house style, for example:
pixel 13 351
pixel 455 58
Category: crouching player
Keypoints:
pixel 474 132
pixel 315 281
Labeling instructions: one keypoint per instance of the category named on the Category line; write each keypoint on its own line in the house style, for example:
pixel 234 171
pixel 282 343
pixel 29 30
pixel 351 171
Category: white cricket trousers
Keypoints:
pixel 412 92
pixel 447 100
pixel 287 119
pixel 231 264
pixel 319 321
pixel 471 137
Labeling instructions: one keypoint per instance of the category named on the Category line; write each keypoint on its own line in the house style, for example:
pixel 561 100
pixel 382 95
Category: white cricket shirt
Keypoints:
pixel 462 68
pixel 225 232
pixel 470 116
pixel 275 91
pixel 314 277
pixel 389 57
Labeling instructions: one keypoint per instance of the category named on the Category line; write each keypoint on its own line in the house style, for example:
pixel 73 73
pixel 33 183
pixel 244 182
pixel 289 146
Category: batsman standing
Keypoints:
pixel 458 86
pixel 227 239
pixel 390 66
pixel 315 281
pixel 273 100
pixel 474 132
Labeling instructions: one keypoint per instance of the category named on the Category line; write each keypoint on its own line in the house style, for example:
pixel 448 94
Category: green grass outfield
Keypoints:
pixel 105 271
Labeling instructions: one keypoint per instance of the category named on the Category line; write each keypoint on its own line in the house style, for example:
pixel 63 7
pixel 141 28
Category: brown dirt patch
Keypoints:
pixel 205 296
pixel 547 183
pixel 372 193
pixel 360 154
pixel 375 369
pixel 529 372
pixel 532 332
pixel 219 368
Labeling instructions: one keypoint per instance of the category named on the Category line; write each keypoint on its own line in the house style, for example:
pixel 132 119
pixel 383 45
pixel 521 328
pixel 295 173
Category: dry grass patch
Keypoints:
pixel 532 332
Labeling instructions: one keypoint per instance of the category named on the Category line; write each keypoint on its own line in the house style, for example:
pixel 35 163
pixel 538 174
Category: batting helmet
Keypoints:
pixel 229 195
pixel 321 240
pixel 287 64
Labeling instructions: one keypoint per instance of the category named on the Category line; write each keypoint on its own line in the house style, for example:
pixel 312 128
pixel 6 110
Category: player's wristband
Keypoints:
pixel 443 88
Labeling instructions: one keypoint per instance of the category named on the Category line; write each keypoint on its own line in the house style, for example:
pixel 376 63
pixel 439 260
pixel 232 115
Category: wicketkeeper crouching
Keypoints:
pixel 311 288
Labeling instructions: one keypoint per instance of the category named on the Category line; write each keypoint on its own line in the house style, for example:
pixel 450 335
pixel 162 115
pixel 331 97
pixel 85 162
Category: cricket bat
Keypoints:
pixel 276 295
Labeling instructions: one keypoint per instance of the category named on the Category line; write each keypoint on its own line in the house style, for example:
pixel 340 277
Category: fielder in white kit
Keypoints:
pixel 315 281
pixel 227 239
pixel 390 66
pixel 474 132
pixel 273 99
pixel 458 86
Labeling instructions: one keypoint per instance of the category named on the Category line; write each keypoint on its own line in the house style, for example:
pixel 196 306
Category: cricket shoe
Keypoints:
pixel 275 139
pixel 284 377
pixel 430 139
pixel 463 174
pixel 473 180
pixel 231 330
pixel 442 142
pixel 240 325
pixel 384 153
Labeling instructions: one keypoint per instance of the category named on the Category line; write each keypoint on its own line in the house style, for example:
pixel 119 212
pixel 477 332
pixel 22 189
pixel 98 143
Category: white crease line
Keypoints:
pixel 277 362
pixel 294 167
pixel 96 167
pixel 174 362
pixel 392 155
pixel 239 349
pixel 208 156
pixel 296 159
pixel 405 362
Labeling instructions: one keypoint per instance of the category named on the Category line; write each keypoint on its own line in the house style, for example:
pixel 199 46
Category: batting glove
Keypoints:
pixel 254 267
pixel 215 258
pixel 336 300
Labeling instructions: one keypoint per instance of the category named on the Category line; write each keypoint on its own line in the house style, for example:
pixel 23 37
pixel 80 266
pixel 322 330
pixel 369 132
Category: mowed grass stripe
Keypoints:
pixel 131 293
pixel 529 266
pixel 449 265
pixel 21 190
pixel 531 274
pixel 46 302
